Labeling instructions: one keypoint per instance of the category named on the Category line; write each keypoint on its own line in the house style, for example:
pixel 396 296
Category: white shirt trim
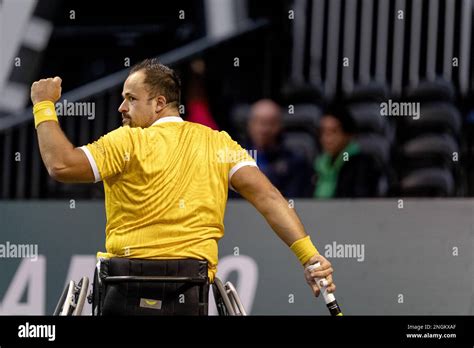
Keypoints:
pixel 94 167
pixel 235 168
pixel 168 119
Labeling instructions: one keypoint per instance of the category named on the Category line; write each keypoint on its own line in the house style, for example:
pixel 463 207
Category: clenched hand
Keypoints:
pixel 46 89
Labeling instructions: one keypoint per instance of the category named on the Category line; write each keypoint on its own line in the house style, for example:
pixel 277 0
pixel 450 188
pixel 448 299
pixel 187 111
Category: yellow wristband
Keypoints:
pixel 44 111
pixel 304 249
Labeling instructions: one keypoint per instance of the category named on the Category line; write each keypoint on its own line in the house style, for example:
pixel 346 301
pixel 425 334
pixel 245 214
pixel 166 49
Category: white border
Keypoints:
pixel 94 167
pixel 237 167
pixel 168 119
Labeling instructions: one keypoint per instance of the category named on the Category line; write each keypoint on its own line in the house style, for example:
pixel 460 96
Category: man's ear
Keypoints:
pixel 160 103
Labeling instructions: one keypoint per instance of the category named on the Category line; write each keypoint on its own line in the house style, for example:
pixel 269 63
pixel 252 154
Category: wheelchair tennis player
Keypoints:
pixel 166 183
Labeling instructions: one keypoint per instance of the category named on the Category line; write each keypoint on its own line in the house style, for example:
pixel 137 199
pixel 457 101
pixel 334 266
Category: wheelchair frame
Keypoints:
pixel 72 299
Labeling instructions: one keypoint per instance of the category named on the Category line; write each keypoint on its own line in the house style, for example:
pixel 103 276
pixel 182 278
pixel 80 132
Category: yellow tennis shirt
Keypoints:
pixel 166 189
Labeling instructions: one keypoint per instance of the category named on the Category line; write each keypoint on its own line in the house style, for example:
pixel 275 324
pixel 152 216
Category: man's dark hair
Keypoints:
pixel 160 79
pixel 341 112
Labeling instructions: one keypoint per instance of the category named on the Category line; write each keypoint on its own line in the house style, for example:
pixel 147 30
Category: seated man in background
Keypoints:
pixel 287 170
pixel 342 171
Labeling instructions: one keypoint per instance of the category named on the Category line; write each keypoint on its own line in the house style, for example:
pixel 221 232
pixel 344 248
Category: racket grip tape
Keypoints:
pixel 329 298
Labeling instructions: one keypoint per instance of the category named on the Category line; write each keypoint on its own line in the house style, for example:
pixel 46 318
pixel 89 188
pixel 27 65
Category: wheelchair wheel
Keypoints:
pixel 223 303
pixel 62 300
pixel 81 296
pixel 71 302
pixel 235 299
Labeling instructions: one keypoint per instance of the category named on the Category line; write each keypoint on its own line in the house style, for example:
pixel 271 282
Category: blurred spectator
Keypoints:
pixel 342 170
pixel 197 105
pixel 287 170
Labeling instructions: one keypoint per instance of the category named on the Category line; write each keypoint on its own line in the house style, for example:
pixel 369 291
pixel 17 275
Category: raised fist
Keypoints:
pixel 46 89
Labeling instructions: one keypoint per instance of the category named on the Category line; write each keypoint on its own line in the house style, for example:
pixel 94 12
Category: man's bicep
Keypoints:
pixel 251 183
pixel 76 169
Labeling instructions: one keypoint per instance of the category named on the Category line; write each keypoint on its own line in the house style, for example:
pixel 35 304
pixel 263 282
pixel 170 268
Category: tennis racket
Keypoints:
pixel 329 298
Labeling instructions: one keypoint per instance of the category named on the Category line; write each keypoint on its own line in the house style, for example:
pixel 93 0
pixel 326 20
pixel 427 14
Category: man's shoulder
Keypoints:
pixel 207 131
pixel 121 132
pixel 198 126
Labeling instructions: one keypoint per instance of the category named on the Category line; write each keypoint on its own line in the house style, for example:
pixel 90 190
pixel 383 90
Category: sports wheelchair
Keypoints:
pixel 74 295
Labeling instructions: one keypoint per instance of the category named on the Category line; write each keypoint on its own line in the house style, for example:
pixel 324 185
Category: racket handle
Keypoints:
pixel 329 298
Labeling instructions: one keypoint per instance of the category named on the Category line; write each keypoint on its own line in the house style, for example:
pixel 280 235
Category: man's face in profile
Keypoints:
pixel 138 107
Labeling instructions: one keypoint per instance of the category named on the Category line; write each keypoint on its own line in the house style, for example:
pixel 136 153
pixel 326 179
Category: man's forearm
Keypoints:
pixel 255 187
